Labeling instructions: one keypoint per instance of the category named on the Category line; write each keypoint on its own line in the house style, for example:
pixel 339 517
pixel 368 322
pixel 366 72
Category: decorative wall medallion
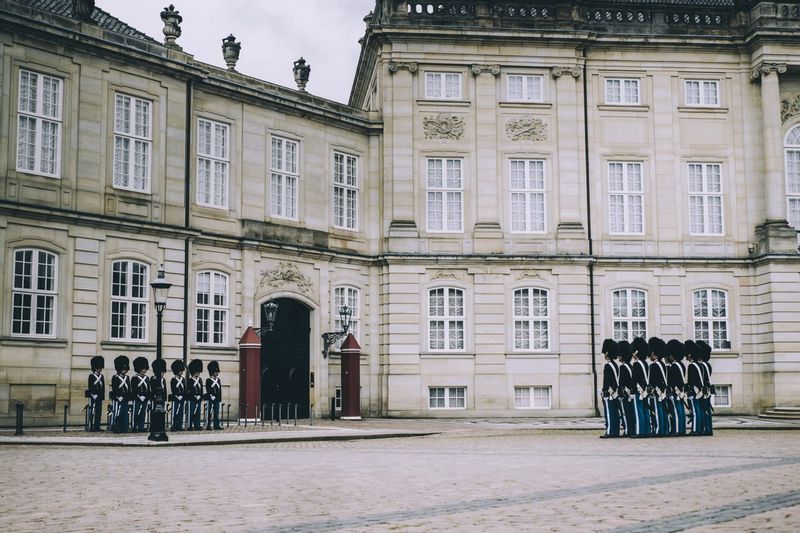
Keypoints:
pixel 443 126
pixel 444 274
pixel 573 71
pixel 530 274
pixel 790 108
pixel 284 273
pixel 526 129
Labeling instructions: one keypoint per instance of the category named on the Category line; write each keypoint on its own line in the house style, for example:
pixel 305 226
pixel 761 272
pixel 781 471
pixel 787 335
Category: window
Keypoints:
pixel 337 395
pixel 345 191
pixel 525 88
pixel 531 397
pixel 446 319
pixel 722 396
pixel 705 198
pixel 129 301
pixel 212 308
pixel 710 313
pixel 622 91
pixel 629 311
pixel 625 198
pixel 133 139
pixel 350 297
pixel 447 398
pixel 284 178
pixel 34 293
pixel 445 196
pixel 792 154
pixel 527 196
pixel 531 319
pixel 39 124
pixel 212 163
pixel 702 93
pixel 443 85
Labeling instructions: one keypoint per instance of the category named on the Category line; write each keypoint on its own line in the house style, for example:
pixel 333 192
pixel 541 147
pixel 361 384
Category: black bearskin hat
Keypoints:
pixel 640 345
pixel 139 364
pixel 196 366
pixel 704 350
pixel 676 349
pixel 213 367
pixel 691 350
pixel 624 351
pixel 98 363
pixel 159 366
pixel 657 347
pixel 178 366
pixel 610 348
pixel 122 363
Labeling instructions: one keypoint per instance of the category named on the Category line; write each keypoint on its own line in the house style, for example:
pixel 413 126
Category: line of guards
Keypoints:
pixel 135 394
pixel 648 391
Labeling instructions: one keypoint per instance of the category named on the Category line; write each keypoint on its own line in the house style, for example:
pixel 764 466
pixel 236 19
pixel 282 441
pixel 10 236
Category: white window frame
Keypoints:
pixel 350 296
pixel 444 194
pixel 531 319
pixel 531 87
pixel 623 91
pixel 138 136
pixel 629 314
pixel 452 322
pixel 284 188
pixel 626 194
pixel 701 93
pixel 719 389
pixel 711 321
pixel 44 113
pixel 213 163
pixel 129 301
pixel 212 308
pixel 345 191
pixel 530 397
pixel 439 86
pixel 702 195
pixel 34 288
pixel 528 190
pixel 450 398
pixel 792 170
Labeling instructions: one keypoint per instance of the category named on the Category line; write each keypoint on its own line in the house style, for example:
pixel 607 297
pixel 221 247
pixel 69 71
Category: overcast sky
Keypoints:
pixel 273 33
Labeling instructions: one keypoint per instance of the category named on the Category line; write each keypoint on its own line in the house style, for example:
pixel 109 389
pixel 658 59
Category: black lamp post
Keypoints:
pixel 158 416
pixel 345 313
pixel 270 312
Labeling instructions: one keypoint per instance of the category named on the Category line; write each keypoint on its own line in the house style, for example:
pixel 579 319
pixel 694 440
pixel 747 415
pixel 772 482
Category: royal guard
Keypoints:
pixel 213 394
pixel 658 385
pixel 626 389
pixel 141 392
pixel 709 391
pixel 95 392
pixel 177 387
pixel 676 385
pixel 610 390
pixel 642 388
pixel 120 395
pixel 695 387
pixel 195 393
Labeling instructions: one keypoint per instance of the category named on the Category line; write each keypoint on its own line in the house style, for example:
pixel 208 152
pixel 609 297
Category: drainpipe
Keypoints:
pixel 186 215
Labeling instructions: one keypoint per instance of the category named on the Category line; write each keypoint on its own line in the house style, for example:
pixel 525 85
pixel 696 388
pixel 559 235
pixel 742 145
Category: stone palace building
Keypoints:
pixel 510 183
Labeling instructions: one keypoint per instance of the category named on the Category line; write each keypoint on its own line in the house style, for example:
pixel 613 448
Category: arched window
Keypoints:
pixel 129 300
pixel 710 315
pixel 34 293
pixel 629 312
pixel 211 308
pixel 351 297
pixel 531 319
pixel 792 155
pixel 446 319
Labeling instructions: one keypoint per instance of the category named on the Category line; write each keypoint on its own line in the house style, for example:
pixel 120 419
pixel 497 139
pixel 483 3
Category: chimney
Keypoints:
pixel 82 9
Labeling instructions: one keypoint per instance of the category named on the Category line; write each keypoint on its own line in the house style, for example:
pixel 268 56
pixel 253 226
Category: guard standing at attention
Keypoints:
pixel 141 392
pixel 95 392
pixel 120 394
pixel 627 388
pixel 695 386
pixel 640 380
pixel 214 394
pixel 710 391
pixel 610 390
pixel 195 393
pixel 177 387
pixel 658 385
pixel 676 385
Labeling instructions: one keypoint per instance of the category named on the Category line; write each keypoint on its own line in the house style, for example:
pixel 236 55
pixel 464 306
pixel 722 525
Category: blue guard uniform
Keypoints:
pixel 120 395
pixel 214 395
pixel 695 387
pixel 141 392
pixel 195 393
pixel 641 383
pixel 610 390
pixel 626 388
pixel 709 390
pixel 676 387
pixel 177 386
pixel 95 393
pixel 658 385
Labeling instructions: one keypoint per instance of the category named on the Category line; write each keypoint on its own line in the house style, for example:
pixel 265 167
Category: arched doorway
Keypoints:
pixel 285 358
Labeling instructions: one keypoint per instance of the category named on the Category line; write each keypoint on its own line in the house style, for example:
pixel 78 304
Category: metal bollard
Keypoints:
pixel 295 415
pixel 333 408
pixel 280 413
pixel 287 412
pixel 263 410
pixel 245 415
pixel 272 413
pixel 205 416
pixel 66 408
pixel 85 417
pixel 228 417
pixel 239 418
pixel 311 415
pixel 19 418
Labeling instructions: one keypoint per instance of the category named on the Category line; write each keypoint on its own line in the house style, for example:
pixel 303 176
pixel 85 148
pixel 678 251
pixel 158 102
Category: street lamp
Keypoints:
pixel 345 313
pixel 270 312
pixel 158 416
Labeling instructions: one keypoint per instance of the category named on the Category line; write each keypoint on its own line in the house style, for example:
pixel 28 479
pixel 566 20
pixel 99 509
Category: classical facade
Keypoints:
pixel 510 183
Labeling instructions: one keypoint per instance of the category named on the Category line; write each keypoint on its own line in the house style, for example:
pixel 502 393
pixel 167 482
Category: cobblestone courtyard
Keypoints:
pixel 479 480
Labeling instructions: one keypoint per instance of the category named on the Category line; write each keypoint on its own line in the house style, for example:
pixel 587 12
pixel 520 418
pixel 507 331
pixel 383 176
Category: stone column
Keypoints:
pixel 488 234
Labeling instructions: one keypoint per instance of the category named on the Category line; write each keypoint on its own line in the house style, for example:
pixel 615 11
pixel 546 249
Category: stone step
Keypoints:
pixel 781 413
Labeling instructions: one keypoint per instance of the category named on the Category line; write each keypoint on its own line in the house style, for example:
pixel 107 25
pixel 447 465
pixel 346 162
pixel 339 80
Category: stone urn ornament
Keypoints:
pixel 230 51
pixel 301 73
pixel 172 26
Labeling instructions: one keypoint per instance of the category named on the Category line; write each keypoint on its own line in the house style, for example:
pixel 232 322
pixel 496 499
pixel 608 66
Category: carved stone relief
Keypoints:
pixel 790 108
pixel 285 272
pixel 443 126
pixel 526 129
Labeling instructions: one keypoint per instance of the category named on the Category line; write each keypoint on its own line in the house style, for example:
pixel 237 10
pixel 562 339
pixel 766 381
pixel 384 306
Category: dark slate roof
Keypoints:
pixel 102 18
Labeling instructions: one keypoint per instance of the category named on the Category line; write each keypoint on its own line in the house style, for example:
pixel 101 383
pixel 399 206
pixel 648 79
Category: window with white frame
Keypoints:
pixel 129 300
pixel 625 198
pixel 629 312
pixel 34 293
pixel 447 397
pixel 446 319
pixel 722 396
pixel 527 195
pixel 792 156
pixel 133 142
pixel 345 191
pixel 531 319
pixel 525 88
pixel 212 308
pixel 622 91
pixel 445 199
pixel 351 297
pixel 39 123
pixel 536 397
pixel 443 85
pixel 702 92
pixel 710 316
pixel 284 178
pixel 213 162
pixel 705 198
